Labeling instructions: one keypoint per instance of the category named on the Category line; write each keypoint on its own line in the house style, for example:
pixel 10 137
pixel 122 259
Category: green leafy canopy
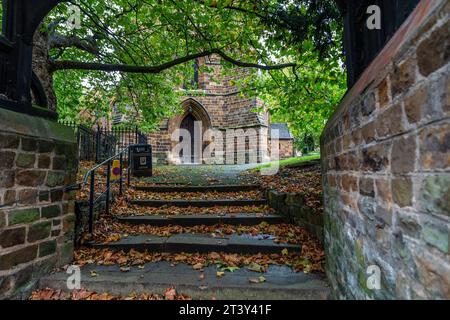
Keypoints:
pixel 153 32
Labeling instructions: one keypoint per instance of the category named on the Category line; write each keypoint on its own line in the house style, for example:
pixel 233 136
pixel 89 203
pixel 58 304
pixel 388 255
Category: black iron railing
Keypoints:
pixel 100 143
pixel 89 179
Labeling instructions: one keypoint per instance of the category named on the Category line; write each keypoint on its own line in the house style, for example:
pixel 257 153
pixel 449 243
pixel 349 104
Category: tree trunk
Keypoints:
pixel 41 67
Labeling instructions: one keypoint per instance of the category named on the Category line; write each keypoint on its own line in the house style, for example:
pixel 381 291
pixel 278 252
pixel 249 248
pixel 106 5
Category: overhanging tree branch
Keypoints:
pixel 78 65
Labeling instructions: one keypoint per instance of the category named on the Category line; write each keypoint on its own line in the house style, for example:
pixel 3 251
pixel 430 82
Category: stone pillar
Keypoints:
pixel 386 165
pixel 37 158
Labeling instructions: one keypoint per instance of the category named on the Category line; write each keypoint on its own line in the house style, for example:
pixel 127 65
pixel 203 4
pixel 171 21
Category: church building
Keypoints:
pixel 216 105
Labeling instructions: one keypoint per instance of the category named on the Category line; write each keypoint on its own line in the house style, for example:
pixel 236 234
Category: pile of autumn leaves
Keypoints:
pixel 82 294
pixel 306 181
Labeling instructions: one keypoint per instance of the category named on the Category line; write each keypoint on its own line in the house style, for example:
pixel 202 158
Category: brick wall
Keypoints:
pixel 286 149
pixel 386 163
pixel 37 157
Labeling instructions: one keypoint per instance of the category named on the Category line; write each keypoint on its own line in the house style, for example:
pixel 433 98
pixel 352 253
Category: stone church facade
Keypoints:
pixel 217 106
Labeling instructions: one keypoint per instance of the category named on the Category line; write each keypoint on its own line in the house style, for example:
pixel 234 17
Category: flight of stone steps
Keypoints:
pixel 280 281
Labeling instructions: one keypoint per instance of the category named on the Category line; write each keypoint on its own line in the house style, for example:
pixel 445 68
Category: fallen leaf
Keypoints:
pixel 198 266
pixel 255 267
pixel 170 294
pixel 220 274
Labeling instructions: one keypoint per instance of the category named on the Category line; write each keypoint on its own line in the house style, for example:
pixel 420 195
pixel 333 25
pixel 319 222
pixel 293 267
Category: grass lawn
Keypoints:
pixel 290 161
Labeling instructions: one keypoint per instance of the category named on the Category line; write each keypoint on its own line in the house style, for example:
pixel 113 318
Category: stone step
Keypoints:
pixel 281 282
pixel 217 188
pixel 199 203
pixel 202 243
pixel 245 219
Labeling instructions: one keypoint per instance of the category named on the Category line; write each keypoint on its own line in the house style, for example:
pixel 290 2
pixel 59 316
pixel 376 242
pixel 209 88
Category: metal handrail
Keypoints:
pixel 91 175
pixel 87 174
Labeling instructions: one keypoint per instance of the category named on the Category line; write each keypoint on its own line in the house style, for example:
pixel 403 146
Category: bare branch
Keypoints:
pixel 78 65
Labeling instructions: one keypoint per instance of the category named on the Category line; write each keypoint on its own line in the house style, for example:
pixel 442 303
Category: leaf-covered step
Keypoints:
pixel 209 220
pixel 278 282
pixel 216 188
pixel 198 203
pixel 186 242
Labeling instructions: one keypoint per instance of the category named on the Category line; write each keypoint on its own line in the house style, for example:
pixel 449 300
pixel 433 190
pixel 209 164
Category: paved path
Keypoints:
pixel 200 174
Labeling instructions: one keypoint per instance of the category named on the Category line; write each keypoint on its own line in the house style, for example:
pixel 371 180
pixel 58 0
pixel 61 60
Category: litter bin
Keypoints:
pixel 141 160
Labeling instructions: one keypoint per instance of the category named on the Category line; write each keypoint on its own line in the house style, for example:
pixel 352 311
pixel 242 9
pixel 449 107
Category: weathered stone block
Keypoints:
pixel 28 196
pixel 390 122
pixel 434 273
pixel 435 147
pixel 44 161
pixel 383 93
pixel 383 187
pixel 12 237
pixel 404 155
pixel 403 77
pixel 368 132
pixel 437 235
pixel 23 216
pixel 30 178
pixel 69 223
pixel 2 218
pixel 10 197
pixel 25 160
pixel 356 136
pixel 409 224
pixel 417 104
pixel 45 146
pixel 66 253
pixel 47 248
pixel 55 178
pixel 12 259
pixel 434 52
pixel 7 159
pixel 56 195
pixel 368 104
pixel 8 141
pixel 7 178
pixel 39 231
pixel 402 191
pixel 50 211
pixel 366 187
pixel 349 183
pixel 435 193
pixel 59 163
pixel 376 158
pixel 355 115
pixel 44 196
pixel 383 215
pixel 29 144
pixel 367 206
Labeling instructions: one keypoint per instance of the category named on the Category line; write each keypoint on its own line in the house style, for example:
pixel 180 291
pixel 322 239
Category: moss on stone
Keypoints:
pixel 23 216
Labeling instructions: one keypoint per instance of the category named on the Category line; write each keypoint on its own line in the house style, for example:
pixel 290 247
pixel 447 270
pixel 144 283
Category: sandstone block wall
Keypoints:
pixel 386 164
pixel 37 158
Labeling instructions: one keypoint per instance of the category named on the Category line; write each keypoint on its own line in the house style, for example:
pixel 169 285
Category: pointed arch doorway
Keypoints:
pixel 196 121
pixel 188 124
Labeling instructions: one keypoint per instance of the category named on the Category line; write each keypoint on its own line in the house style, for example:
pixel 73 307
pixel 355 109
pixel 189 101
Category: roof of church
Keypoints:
pixel 283 129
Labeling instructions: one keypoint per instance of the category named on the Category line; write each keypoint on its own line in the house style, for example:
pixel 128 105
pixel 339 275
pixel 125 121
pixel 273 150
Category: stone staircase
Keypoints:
pixel 280 282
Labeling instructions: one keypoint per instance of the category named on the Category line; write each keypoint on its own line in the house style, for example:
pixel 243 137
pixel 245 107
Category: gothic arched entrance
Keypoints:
pixel 188 124
pixel 193 123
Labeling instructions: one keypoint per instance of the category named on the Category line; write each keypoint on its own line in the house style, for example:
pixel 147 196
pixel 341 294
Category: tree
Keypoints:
pixel 137 51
